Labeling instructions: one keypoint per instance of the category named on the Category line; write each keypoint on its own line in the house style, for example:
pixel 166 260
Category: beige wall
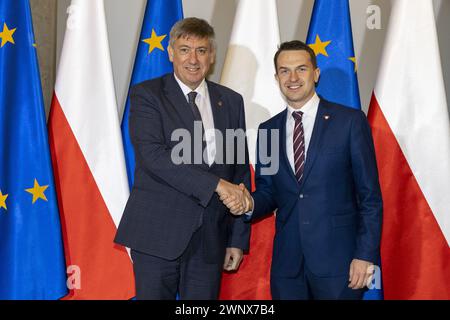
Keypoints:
pixel 125 16
pixel 44 21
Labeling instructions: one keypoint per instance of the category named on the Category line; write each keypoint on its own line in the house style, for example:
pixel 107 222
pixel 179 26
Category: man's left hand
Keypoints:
pixel 233 258
pixel 360 273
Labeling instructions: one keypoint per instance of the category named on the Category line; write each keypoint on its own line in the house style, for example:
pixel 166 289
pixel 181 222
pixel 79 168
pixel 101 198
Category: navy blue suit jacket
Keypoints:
pixel 168 201
pixel 334 215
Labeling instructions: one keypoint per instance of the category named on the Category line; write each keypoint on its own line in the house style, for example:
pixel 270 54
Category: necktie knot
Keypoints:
pixel 298 115
pixel 192 95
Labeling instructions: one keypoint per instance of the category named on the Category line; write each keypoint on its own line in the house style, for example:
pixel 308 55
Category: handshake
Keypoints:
pixel 235 197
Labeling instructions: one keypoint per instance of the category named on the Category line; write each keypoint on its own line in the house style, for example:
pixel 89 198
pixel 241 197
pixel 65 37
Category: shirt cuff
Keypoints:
pixel 250 213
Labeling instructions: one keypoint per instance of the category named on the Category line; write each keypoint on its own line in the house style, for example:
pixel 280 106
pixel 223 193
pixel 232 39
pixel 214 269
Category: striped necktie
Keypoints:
pixel 299 145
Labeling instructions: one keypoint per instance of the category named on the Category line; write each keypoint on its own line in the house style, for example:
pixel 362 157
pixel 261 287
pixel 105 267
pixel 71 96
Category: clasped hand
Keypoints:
pixel 235 197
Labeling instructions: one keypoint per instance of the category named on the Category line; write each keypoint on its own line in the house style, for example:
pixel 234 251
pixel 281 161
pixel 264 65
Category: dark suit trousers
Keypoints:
pixel 307 286
pixel 189 275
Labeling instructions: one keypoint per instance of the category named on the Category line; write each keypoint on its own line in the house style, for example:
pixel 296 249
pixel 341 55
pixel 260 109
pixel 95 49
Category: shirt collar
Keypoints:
pixel 309 109
pixel 201 89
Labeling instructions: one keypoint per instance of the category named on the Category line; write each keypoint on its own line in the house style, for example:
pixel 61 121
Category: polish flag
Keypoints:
pixel 249 70
pixel 410 124
pixel 88 160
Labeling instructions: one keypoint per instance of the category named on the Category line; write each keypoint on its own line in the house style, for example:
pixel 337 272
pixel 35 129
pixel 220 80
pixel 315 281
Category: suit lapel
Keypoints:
pixel 320 124
pixel 181 106
pixel 219 109
pixel 220 116
pixel 176 97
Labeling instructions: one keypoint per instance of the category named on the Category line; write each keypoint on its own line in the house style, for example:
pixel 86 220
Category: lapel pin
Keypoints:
pixel 326 117
pixel 219 103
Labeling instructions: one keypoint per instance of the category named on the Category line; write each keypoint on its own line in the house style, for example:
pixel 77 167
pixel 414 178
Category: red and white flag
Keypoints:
pixel 88 160
pixel 410 124
pixel 249 70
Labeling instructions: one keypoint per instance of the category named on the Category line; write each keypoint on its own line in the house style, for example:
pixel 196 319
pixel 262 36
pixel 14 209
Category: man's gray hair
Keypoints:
pixel 192 27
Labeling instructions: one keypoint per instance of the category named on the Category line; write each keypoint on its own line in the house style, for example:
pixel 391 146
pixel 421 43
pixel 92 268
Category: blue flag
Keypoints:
pixel 330 36
pixel 151 60
pixel 32 262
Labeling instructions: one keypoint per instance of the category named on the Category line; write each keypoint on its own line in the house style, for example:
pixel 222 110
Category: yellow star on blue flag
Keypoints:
pixel 37 191
pixel 319 47
pixel 7 35
pixel 3 200
pixel 154 41
pixel 353 59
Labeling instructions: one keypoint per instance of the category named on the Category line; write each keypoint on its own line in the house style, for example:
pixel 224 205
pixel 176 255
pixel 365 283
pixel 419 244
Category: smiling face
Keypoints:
pixel 191 57
pixel 296 77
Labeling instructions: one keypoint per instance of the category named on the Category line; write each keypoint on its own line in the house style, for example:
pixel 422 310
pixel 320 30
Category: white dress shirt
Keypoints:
pixel 309 117
pixel 203 103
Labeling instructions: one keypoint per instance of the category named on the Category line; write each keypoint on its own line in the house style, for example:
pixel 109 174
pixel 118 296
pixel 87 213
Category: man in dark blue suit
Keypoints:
pixel 326 189
pixel 180 234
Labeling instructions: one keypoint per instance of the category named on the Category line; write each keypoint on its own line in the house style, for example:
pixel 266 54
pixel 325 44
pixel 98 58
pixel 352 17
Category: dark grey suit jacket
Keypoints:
pixel 169 202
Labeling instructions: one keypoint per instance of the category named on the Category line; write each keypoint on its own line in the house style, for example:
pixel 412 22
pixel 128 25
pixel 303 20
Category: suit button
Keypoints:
pixel 305 222
pixel 301 196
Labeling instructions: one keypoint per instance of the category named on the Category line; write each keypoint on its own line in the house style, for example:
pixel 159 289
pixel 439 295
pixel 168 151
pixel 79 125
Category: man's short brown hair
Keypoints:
pixel 292 46
pixel 192 27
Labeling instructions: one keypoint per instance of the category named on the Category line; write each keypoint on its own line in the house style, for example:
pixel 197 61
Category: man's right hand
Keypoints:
pixel 233 194
pixel 361 273
pixel 236 198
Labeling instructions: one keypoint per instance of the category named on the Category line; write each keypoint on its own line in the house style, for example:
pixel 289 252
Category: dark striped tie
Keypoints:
pixel 299 145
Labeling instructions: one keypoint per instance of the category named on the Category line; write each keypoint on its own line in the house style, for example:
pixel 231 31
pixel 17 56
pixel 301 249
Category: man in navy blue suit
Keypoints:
pixel 326 189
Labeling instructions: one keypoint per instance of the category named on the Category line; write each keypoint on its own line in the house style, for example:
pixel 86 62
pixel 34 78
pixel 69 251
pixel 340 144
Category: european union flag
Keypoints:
pixel 32 262
pixel 151 60
pixel 330 36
